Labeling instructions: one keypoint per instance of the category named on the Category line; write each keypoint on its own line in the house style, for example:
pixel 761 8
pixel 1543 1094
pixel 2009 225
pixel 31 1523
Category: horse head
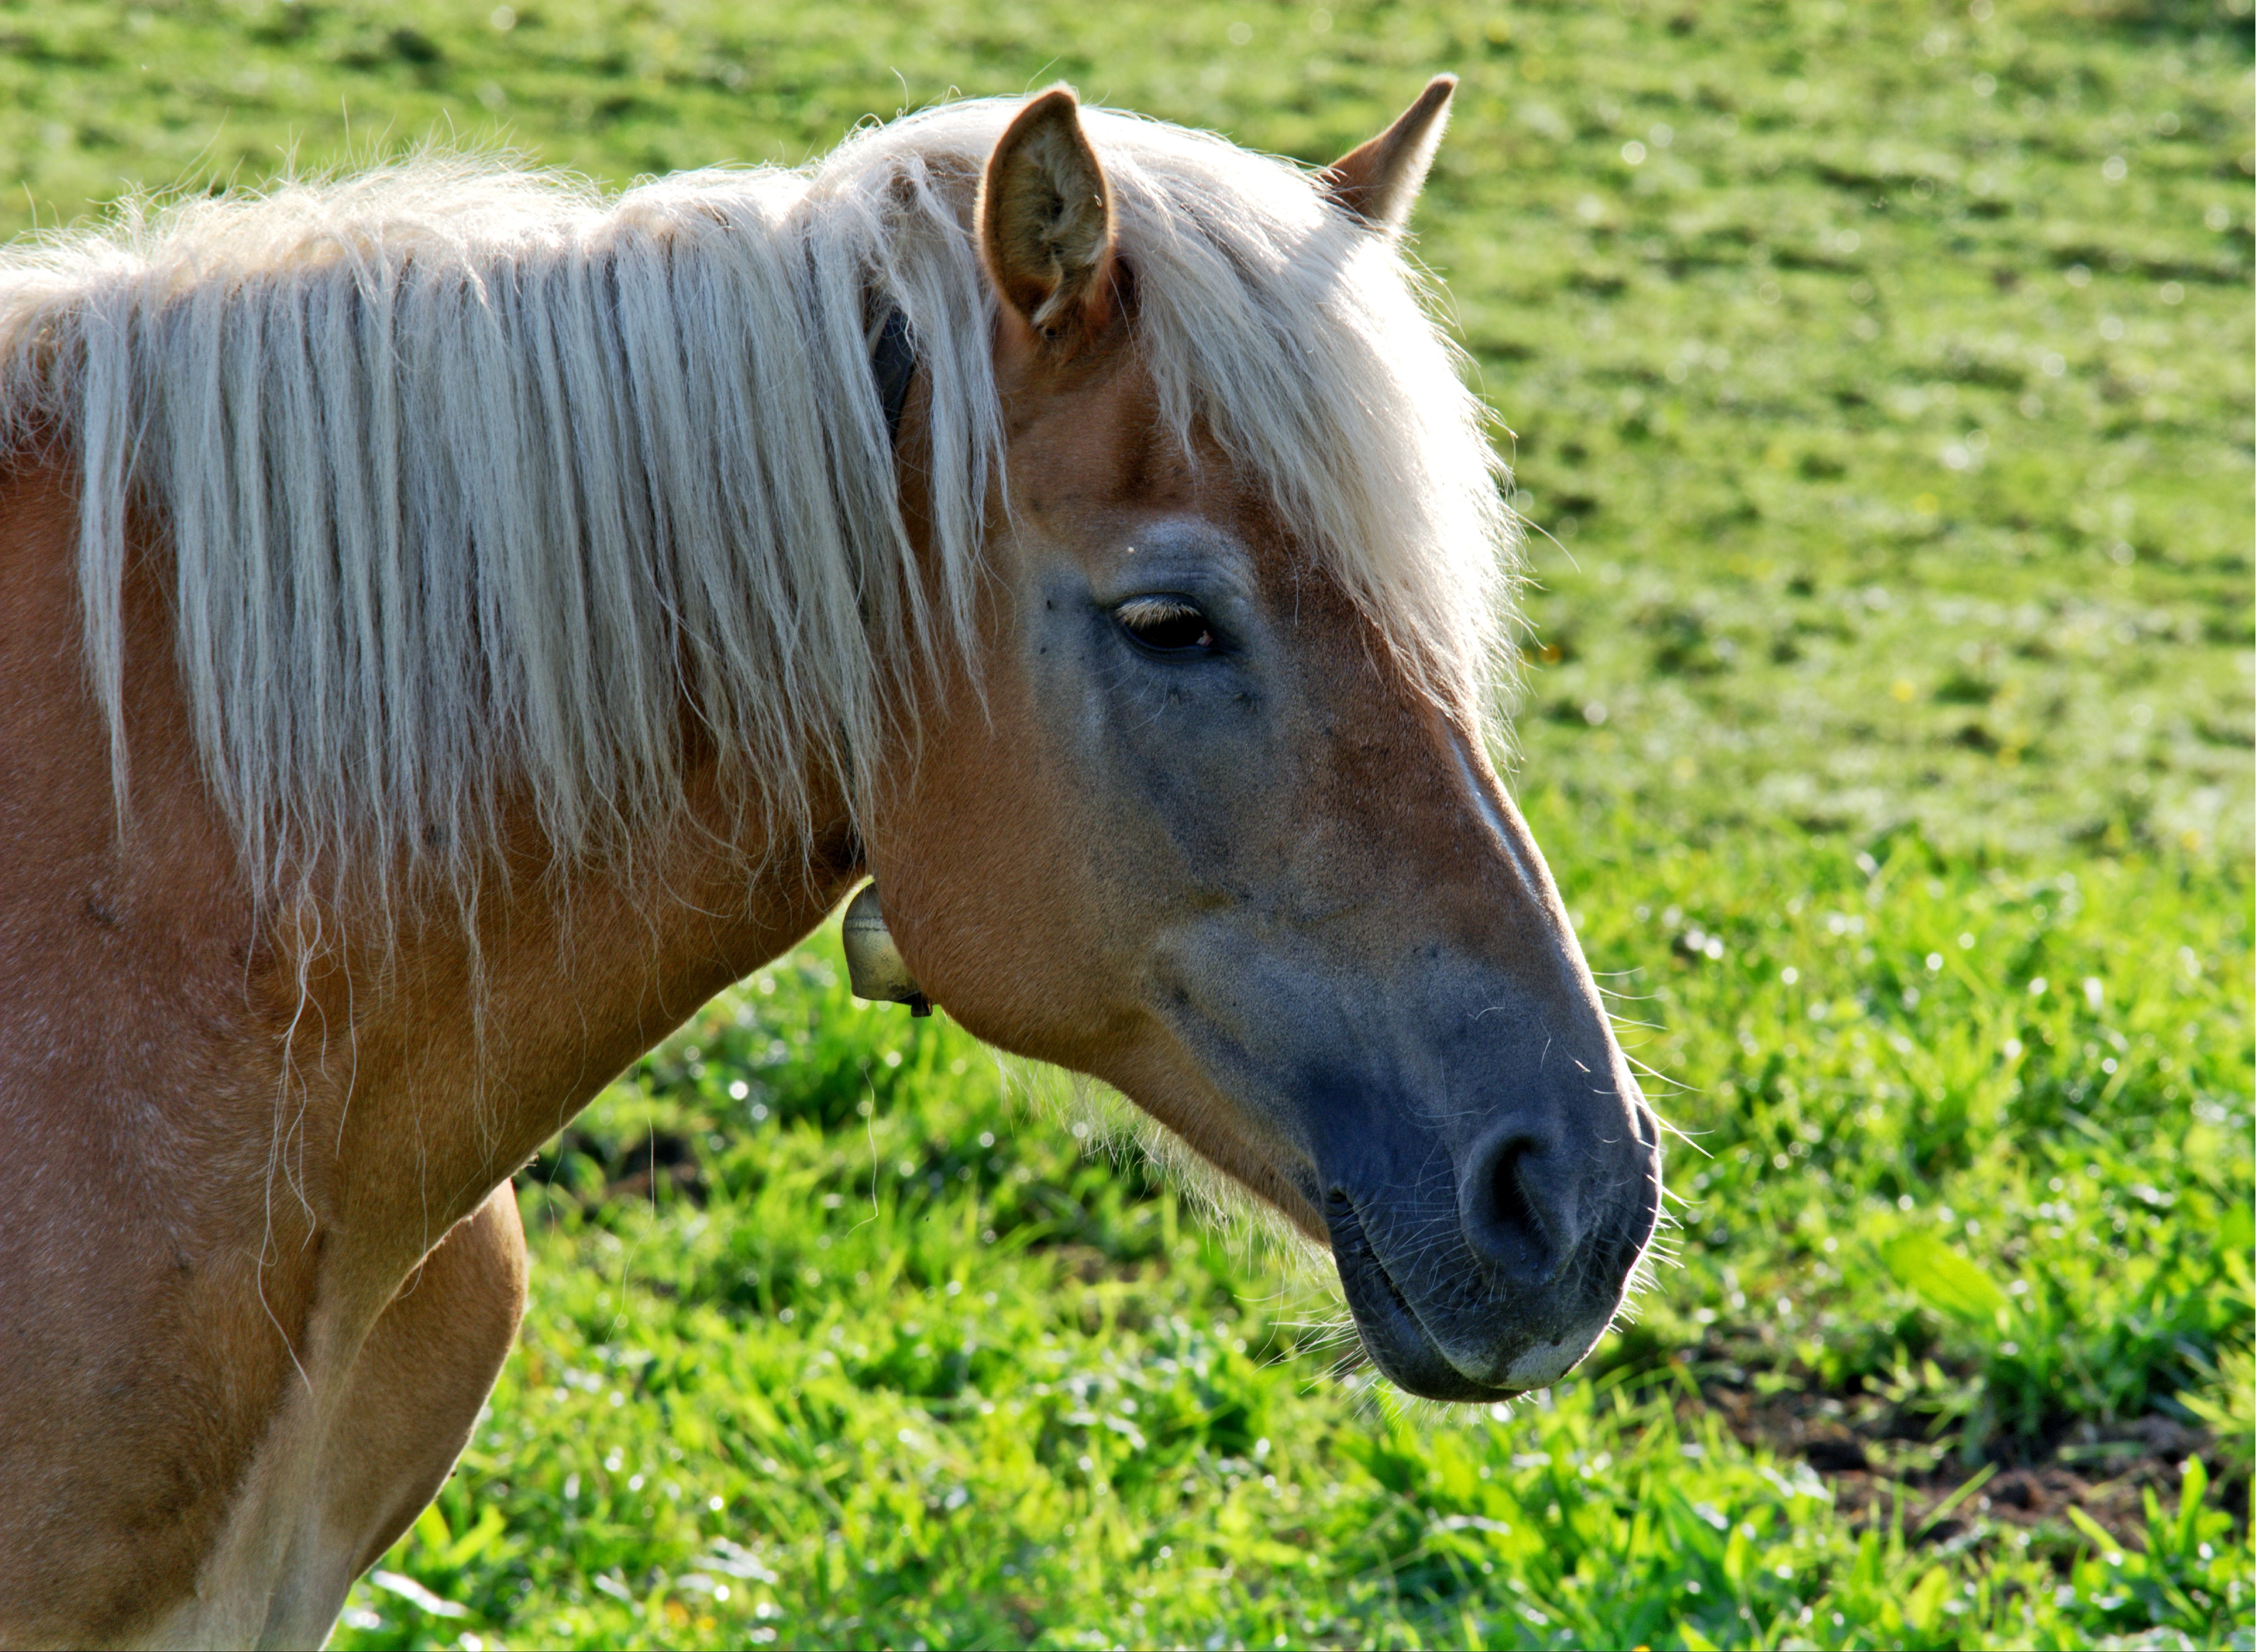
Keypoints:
pixel 1199 820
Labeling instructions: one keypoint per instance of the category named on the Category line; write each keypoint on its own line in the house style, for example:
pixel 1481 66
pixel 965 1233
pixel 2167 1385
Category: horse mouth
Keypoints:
pixel 1393 1334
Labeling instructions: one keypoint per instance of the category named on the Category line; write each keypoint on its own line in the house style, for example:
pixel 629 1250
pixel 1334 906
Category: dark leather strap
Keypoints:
pixel 892 364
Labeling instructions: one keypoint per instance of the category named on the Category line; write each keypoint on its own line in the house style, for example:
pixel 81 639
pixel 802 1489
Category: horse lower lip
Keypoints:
pixel 1403 1314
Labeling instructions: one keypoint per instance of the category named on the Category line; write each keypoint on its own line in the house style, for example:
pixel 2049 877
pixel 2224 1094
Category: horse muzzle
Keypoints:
pixel 1505 1283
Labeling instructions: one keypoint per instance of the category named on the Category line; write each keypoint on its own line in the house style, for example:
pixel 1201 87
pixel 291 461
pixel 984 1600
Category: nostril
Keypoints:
pixel 1505 1209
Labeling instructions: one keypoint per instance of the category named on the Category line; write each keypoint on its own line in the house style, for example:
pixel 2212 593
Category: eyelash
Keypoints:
pixel 1166 624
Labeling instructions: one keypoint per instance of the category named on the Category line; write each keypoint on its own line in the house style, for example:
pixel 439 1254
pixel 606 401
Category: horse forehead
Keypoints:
pixel 1095 461
pixel 1091 437
pixel 1122 499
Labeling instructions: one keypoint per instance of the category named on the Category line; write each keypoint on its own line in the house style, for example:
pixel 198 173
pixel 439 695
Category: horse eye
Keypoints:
pixel 1167 624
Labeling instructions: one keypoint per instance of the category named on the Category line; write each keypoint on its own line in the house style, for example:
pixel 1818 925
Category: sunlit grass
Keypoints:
pixel 933 1374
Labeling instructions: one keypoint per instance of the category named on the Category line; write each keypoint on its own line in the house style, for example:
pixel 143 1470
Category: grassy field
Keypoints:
pixel 1881 382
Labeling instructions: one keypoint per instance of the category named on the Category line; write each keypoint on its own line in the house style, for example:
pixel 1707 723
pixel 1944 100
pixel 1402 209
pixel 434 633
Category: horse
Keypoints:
pixel 456 622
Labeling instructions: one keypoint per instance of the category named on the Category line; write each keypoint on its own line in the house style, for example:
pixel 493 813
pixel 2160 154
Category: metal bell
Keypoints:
pixel 874 967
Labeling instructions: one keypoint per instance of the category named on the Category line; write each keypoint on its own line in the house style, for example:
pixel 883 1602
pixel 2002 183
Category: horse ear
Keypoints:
pixel 1377 181
pixel 1046 219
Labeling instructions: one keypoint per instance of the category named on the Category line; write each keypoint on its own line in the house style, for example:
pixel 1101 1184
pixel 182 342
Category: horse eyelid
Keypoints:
pixel 1156 611
pixel 1143 615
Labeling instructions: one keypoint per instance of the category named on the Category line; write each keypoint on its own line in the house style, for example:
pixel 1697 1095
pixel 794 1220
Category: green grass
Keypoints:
pixel 1021 1395
pixel 1881 381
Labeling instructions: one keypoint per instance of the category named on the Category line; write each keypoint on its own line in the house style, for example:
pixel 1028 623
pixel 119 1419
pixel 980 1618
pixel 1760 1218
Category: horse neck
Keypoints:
pixel 481 1031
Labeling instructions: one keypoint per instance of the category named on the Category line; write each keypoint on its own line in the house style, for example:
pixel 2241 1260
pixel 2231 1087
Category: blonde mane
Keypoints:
pixel 472 478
